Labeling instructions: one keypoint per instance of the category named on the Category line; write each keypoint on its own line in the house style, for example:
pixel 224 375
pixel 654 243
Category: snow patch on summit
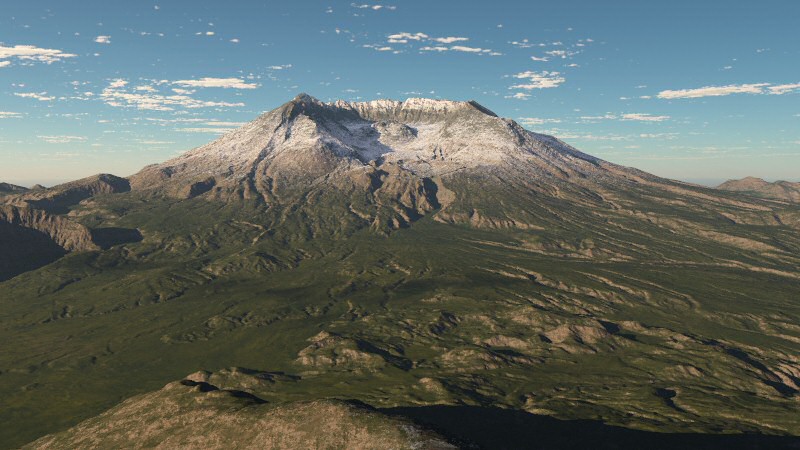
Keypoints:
pixel 427 137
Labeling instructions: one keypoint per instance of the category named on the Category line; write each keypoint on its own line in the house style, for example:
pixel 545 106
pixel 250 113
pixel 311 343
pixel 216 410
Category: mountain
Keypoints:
pixel 779 190
pixel 397 153
pixel 412 256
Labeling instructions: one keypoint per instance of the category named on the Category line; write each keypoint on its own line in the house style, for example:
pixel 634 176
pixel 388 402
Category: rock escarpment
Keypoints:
pixel 69 235
pixel 36 229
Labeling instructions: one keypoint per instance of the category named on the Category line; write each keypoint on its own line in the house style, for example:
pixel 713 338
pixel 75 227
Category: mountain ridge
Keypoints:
pixel 778 190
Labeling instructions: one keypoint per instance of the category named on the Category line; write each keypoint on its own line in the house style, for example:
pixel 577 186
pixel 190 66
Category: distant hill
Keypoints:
pixel 8 188
pixel 779 190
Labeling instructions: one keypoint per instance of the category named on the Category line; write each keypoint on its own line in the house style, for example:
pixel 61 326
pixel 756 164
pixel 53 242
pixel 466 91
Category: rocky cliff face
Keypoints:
pixel 69 235
pixel 36 229
pixel 43 209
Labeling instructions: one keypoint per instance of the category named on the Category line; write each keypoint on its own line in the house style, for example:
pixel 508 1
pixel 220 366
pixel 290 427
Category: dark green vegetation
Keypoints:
pixel 613 297
pixel 435 313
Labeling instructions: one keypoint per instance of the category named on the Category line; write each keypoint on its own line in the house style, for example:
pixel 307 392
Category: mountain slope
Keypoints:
pixel 192 414
pixel 388 163
pixel 416 253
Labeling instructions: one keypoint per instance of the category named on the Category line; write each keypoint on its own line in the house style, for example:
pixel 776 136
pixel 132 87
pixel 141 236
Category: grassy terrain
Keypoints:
pixel 664 318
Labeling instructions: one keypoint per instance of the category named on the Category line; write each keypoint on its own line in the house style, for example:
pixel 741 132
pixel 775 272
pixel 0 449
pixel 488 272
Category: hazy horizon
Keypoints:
pixel 710 182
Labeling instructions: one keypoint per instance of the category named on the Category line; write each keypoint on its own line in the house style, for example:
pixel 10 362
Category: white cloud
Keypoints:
pixel 210 126
pixel 114 95
pixel 596 118
pixel 536 58
pixel 557 53
pixel 519 96
pixel 461 48
pixel 434 43
pixel 217 123
pixel 205 130
pixel 589 136
pixel 176 120
pixel 30 53
pixel 783 88
pixel 9 115
pixel 62 139
pixel 437 48
pixel 409 36
pixel 41 96
pixel 714 91
pixel 235 40
pixel 536 121
pixel 658 135
pixel 5 63
pixel 538 80
pixel 644 117
pixel 525 44
pixel 207 82
pixel 719 91
pixel 103 39
pixel 373 7
pixel 639 117
pixel 155 142
pixel 282 67
pixel 118 83
pixel 450 39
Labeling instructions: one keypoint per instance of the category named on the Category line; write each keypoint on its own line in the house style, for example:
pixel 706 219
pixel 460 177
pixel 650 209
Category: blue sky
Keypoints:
pixel 693 90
